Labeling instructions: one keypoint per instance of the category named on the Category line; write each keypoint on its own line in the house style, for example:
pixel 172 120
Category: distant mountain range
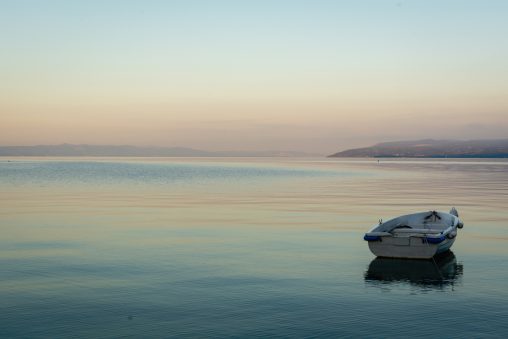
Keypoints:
pixel 133 151
pixel 430 148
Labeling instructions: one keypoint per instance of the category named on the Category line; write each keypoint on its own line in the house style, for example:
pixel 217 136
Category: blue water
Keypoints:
pixel 245 248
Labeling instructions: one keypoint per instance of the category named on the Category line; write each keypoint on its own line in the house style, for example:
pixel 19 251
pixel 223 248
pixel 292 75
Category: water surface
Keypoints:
pixel 111 247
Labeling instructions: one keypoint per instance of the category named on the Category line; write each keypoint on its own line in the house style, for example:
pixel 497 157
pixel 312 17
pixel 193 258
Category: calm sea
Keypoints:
pixel 245 248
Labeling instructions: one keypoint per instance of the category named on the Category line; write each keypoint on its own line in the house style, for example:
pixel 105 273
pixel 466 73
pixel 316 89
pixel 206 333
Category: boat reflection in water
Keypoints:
pixel 438 273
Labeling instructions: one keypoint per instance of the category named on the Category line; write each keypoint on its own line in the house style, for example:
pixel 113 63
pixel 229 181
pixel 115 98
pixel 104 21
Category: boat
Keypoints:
pixel 415 236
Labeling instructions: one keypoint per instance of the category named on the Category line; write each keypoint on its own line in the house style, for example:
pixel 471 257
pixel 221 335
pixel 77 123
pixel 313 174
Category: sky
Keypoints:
pixel 315 76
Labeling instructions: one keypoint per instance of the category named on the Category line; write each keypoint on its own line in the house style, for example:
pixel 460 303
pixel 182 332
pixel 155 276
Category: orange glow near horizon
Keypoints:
pixel 252 77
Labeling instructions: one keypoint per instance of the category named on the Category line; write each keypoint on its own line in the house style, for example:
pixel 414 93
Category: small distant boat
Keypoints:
pixel 415 236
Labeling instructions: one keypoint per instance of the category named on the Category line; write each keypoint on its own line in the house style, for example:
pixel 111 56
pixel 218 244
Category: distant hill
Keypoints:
pixel 430 148
pixel 70 150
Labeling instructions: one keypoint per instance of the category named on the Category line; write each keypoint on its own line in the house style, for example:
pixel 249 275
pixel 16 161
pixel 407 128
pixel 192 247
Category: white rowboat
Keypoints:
pixel 416 236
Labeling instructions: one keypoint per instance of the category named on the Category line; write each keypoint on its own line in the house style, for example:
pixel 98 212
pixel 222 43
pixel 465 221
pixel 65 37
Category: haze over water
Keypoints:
pixel 112 247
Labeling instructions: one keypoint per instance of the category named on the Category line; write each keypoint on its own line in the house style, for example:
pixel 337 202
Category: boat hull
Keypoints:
pixel 408 247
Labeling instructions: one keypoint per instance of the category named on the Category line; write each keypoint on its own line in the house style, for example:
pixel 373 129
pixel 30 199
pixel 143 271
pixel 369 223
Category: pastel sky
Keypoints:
pixel 316 76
